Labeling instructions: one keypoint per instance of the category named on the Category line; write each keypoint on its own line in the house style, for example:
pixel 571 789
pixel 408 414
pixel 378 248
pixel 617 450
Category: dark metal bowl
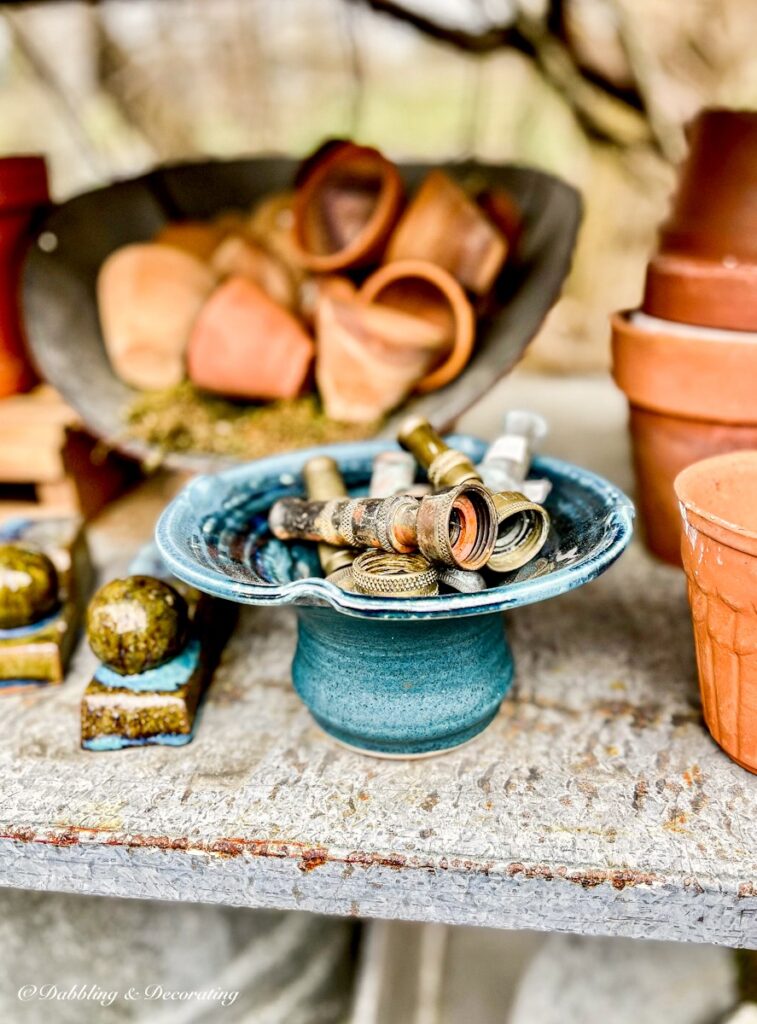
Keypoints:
pixel 73 239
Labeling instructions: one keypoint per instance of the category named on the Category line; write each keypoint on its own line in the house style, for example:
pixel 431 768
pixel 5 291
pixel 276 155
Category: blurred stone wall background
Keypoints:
pixel 594 90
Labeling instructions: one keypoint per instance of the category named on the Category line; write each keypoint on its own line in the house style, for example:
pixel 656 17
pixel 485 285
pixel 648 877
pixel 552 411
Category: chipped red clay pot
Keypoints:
pixel 23 187
pixel 245 345
pixel 691 393
pixel 706 270
pixel 345 208
pixel 718 504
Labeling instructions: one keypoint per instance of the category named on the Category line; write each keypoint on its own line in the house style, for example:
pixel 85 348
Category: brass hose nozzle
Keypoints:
pixel 444 466
pixel 522 525
pixel 323 481
pixel 456 526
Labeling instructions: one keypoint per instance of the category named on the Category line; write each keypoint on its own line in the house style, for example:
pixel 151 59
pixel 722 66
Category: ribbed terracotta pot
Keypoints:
pixel 23 187
pixel 692 394
pixel 718 502
pixel 346 204
pixel 706 269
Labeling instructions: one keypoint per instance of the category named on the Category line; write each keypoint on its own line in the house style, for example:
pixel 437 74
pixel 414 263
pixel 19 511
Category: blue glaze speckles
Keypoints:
pixel 168 677
pixel 401 687
pixel 113 742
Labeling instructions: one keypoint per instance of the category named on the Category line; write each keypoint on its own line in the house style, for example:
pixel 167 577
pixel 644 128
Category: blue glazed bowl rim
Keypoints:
pixel 182 510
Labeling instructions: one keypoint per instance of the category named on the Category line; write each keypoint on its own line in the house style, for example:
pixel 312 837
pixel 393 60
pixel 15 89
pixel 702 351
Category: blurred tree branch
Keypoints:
pixel 606 112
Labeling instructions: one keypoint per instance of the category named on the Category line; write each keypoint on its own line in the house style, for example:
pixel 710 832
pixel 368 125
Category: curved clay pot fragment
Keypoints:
pixel 245 345
pixel 718 501
pixel 692 394
pixel 149 296
pixel 243 257
pixel 345 208
pixel 443 225
pixel 23 186
pixel 706 270
pixel 422 289
pixel 370 357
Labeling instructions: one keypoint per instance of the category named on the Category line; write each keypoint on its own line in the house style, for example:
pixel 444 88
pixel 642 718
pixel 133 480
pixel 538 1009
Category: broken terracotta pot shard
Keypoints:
pixel 370 356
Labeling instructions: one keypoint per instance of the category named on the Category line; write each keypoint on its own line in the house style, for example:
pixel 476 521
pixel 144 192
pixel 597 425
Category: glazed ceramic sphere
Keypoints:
pixel 28 586
pixel 136 624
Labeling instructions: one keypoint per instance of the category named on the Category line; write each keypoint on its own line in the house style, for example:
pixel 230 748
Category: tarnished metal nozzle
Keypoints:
pixel 323 481
pixel 456 526
pixel 445 466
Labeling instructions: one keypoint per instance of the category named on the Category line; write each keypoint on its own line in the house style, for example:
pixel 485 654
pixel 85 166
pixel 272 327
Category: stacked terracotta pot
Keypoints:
pixel 344 280
pixel 687 360
pixel 23 188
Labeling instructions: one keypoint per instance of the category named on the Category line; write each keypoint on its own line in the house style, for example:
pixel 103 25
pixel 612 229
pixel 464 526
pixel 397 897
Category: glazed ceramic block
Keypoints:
pixel 39 653
pixel 389 676
pixel 159 705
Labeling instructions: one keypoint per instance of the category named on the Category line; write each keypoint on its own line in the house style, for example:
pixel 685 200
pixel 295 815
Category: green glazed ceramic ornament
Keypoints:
pixel 159 641
pixel 28 586
pixel 45 579
pixel 136 624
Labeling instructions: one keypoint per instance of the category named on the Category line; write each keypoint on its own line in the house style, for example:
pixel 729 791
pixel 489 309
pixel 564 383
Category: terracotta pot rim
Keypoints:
pixel 462 311
pixel 698 401
pixel 379 223
pixel 725 531
pixel 23 182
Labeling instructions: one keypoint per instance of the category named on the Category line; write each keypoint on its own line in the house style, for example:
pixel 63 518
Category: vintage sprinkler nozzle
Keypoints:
pixel 522 525
pixel 456 526
pixel 323 481
pixel 444 466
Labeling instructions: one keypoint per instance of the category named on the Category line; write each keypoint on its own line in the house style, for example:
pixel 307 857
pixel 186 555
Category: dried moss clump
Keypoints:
pixel 183 419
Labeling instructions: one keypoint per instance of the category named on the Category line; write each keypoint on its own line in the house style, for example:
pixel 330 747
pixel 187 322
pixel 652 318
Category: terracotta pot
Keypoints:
pixel 718 500
pixel 149 296
pixel 445 226
pixel 706 270
pixel 245 345
pixel 23 187
pixel 691 393
pixel 426 290
pixel 370 357
pixel 271 224
pixel 345 208
pixel 243 257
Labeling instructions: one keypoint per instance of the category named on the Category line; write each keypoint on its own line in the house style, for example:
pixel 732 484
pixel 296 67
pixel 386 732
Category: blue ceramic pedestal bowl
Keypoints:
pixel 389 676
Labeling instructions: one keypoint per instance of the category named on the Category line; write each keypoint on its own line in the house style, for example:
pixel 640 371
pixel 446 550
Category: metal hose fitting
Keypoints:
pixel 323 480
pixel 389 574
pixel 522 525
pixel 456 526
